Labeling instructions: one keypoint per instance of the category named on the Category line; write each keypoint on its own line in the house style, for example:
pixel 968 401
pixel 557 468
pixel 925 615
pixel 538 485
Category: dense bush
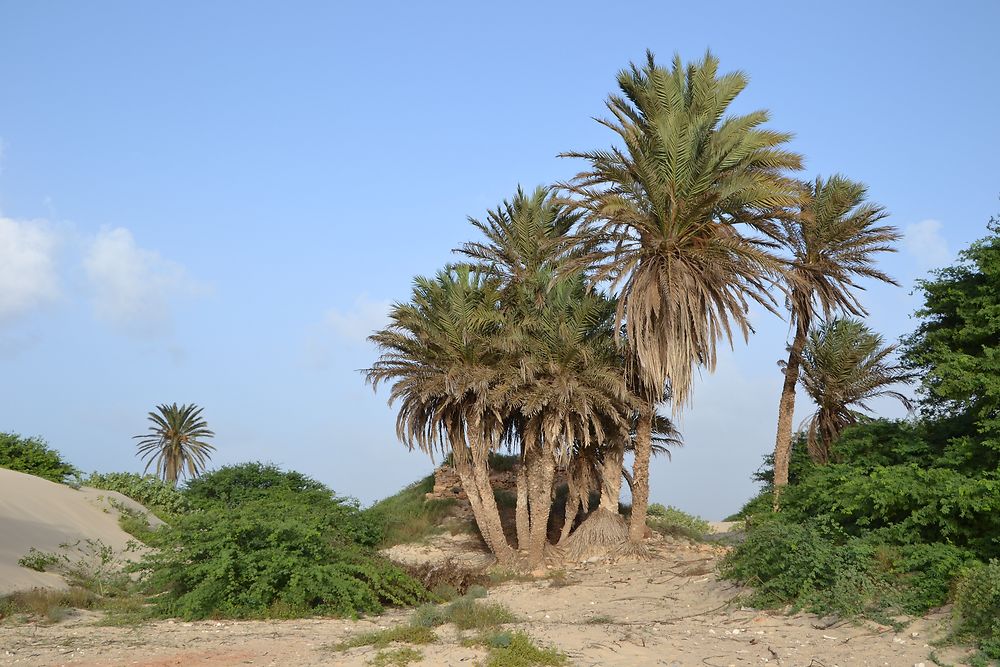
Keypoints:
pixel 977 604
pixel 152 492
pixel 262 542
pixel 238 485
pixel 34 457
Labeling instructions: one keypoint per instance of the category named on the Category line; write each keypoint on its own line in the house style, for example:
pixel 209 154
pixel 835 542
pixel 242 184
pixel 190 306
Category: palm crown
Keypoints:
pixel 176 442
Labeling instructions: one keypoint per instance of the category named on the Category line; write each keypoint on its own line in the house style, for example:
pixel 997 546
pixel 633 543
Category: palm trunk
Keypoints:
pixel 522 518
pixel 786 410
pixel 475 476
pixel 611 478
pixel 640 475
pixel 541 472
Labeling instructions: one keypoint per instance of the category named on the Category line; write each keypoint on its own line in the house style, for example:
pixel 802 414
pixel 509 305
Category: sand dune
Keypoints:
pixel 35 512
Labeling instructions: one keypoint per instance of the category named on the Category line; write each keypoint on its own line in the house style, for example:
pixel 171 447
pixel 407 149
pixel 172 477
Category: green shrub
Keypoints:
pixel 409 516
pixel 400 657
pixel 240 485
pixel 672 521
pixel 977 606
pixel 404 634
pixel 515 649
pixel 149 491
pixel 34 457
pixel 284 553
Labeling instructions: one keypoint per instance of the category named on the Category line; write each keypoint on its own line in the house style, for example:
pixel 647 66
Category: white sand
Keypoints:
pixel 35 512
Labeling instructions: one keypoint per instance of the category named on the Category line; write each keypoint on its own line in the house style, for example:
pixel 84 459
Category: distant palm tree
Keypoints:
pixel 832 240
pixel 681 212
pixel 844 365
pixel 176 442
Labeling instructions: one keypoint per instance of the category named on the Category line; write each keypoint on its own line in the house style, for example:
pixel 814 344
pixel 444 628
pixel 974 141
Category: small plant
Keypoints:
pixel 404 634
pixel 515 649
pixel 601 619
pixel 37 560
pixel 399 657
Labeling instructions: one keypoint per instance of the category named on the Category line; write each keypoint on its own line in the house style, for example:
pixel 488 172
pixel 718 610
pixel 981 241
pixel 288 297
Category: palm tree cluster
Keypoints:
pixel 586 306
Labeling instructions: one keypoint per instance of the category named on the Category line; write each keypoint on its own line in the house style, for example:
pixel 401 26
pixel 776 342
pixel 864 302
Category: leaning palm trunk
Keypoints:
pixel 786 410
pixel 473 470
pixel 640 475
pixel 579 483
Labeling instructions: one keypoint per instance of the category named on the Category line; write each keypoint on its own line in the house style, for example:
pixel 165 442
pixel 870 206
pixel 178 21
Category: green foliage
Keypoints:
pixel 38 560
pixel 278 551
pixel 399 657
pixel 672 521
pixel 151 492
pixel 237 486
pixel 404 634
pixel 814 565
pixel 34 457
pixel 977 606
pixel 465 612
pixel 515 649
pixel 409 516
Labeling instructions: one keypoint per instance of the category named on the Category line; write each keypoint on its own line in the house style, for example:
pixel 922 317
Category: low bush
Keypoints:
pixel 283 553
pixel 151 492
pixel 515 649
pixel 34 457
pixel 675 522
pixel 977 607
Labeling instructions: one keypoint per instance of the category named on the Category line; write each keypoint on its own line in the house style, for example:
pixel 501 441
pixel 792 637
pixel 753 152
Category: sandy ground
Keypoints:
pixel 35 512
pixel 671 611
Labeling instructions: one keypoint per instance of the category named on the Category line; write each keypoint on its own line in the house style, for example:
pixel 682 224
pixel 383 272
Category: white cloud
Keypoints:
pixel 358 322
pixel 28 276
pixel 133 288
pixel 325 343
pixel 924 241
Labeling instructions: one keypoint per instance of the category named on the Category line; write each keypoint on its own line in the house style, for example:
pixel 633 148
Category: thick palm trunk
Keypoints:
pixel 574 499
pixel 786 411
pixel 611 478
pixel 522 516
pixel 541 473
pixel 640 475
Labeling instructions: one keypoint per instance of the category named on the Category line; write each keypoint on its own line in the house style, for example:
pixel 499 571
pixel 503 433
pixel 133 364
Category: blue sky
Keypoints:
pixel 216 202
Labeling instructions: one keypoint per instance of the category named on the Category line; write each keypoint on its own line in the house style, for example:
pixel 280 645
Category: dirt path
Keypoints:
pixel 671 611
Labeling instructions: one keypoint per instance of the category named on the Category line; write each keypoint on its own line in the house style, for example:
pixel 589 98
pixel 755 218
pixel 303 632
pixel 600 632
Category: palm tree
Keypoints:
pixel 440 354
pixel 845 365
pixel 568 388
pixel 176 442
pixel 832 241
pixel 566 393
pixel 681 212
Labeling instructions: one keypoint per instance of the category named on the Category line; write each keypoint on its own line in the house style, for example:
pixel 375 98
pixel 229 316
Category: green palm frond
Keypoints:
pixel 682 217
pixel 844 366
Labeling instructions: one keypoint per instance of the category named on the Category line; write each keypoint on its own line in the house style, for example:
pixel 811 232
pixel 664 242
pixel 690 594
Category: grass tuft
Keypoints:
pixel 399 657
pixel 408 516
pixel 515 649
pixel 404 634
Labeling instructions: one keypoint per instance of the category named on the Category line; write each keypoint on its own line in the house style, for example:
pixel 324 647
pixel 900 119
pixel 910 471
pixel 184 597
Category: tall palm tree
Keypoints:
pixel 439 352
pixel 683 210
pixel 844 365
pixel 832 241
pixel 176 442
